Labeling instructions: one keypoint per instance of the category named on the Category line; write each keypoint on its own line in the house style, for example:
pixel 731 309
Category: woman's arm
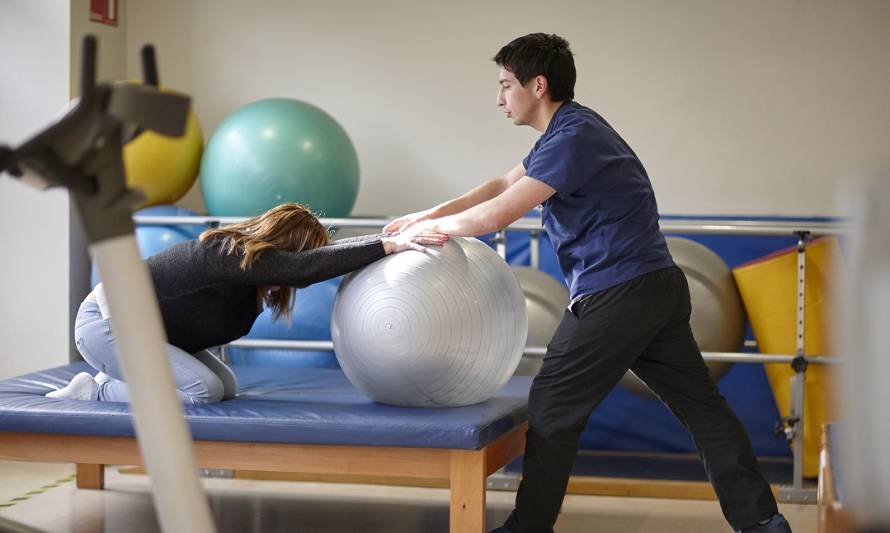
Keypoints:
pixel 299 269
pixel 295 269
pixel 359 238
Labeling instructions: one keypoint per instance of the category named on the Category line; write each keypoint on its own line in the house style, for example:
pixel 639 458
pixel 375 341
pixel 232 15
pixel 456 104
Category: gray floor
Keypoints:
pixel 245 506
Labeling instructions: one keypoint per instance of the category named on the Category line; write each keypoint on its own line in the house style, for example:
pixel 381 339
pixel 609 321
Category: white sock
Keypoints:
pixel 101 378
pixel 81 387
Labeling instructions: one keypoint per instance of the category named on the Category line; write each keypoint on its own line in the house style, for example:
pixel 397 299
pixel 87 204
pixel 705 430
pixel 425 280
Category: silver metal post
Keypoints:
pixel 500 241
pixel 799 380
pixel 794 427
pixel 534 249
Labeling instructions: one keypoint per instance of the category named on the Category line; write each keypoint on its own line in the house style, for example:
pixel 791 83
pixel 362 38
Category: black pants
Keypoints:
pixel 642 325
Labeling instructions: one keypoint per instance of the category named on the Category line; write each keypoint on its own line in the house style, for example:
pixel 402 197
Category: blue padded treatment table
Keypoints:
pixel 301 420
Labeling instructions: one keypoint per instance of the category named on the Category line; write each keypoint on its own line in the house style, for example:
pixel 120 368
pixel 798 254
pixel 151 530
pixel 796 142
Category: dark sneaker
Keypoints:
pixel 776 524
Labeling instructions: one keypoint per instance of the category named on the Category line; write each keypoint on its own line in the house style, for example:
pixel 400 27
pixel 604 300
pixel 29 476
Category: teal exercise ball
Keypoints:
pixel 279 150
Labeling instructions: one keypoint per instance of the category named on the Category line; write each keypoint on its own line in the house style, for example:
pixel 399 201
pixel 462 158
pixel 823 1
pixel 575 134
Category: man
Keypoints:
pixel 630 304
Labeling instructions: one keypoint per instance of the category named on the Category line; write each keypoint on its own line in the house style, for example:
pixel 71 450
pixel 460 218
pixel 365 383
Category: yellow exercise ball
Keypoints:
pixel 163 167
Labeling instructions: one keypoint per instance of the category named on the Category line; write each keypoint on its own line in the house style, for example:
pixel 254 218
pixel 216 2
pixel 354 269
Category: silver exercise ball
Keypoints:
pixel 546 299
pixel 439 329
pixel 718 316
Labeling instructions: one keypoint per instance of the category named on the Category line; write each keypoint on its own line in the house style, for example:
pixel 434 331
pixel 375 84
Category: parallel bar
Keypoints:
pixel 691 226
pixel 198 220
pixel 742 227
pixel 733 357
pixel 539 351
pixel 315 346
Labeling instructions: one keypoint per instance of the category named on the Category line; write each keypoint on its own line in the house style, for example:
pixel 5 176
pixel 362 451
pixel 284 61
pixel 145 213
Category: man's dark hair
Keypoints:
pixel 541 54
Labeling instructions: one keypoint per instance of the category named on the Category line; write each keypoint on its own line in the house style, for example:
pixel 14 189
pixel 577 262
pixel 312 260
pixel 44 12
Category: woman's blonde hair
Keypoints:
pixel 289 227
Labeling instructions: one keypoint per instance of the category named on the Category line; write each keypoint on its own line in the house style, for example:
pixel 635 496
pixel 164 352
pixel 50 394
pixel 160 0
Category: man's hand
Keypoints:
pixel 404 222
pixel 421 227
pixel 412 241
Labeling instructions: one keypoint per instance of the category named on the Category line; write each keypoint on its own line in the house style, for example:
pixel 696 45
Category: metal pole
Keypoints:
pixel 690 226
pixel 163 436
pixel 500 242
pixel 536 351
pixel 534 248
pixel 794 423
pixel 799 385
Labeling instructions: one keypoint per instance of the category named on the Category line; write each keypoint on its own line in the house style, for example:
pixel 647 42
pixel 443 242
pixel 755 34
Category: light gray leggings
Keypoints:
pixel 200 378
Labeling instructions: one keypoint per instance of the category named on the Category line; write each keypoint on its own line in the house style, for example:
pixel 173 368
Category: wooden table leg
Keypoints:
pixel 468 478
pixel 90 476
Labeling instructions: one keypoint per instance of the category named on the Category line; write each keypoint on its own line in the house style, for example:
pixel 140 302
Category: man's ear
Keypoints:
pixel 540 86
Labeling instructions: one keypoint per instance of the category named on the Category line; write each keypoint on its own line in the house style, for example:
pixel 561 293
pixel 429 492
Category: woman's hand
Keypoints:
pixel 412 241
pixel 404 222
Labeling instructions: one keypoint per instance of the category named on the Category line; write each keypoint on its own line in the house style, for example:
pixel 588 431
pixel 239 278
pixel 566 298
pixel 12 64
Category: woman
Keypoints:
pixel 212 289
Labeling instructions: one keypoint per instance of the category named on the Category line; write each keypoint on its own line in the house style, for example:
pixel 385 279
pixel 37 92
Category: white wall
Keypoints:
pixel 44 273
pixel 33 225
pixel 754 107
pixel 112 55
pixel 110 65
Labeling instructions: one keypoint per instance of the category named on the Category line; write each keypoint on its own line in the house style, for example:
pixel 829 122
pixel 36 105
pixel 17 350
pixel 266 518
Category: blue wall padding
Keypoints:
pixel 311 320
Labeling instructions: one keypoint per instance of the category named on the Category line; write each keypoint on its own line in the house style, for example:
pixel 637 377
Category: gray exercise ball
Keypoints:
pixel 439 329
pixel 718 316
pixel 546 298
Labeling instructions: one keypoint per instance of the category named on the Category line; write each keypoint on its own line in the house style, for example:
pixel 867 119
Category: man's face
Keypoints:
pixel 514 99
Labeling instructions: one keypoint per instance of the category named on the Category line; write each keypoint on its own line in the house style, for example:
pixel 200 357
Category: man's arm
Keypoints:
pixel 488 190
pixel 493 214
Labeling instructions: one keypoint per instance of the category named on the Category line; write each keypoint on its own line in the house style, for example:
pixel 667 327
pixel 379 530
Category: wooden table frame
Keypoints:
pixel 466 470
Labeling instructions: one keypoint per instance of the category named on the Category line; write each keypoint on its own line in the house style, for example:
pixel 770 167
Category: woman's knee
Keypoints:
pixel 208 389
pixel 97 346
pixel 222 371
pixel 193 379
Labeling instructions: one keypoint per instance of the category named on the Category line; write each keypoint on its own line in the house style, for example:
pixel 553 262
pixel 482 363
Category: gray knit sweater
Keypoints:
pixel 207 300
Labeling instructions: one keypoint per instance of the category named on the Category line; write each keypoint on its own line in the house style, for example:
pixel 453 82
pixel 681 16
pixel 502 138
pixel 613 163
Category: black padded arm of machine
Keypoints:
pixel 82 151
